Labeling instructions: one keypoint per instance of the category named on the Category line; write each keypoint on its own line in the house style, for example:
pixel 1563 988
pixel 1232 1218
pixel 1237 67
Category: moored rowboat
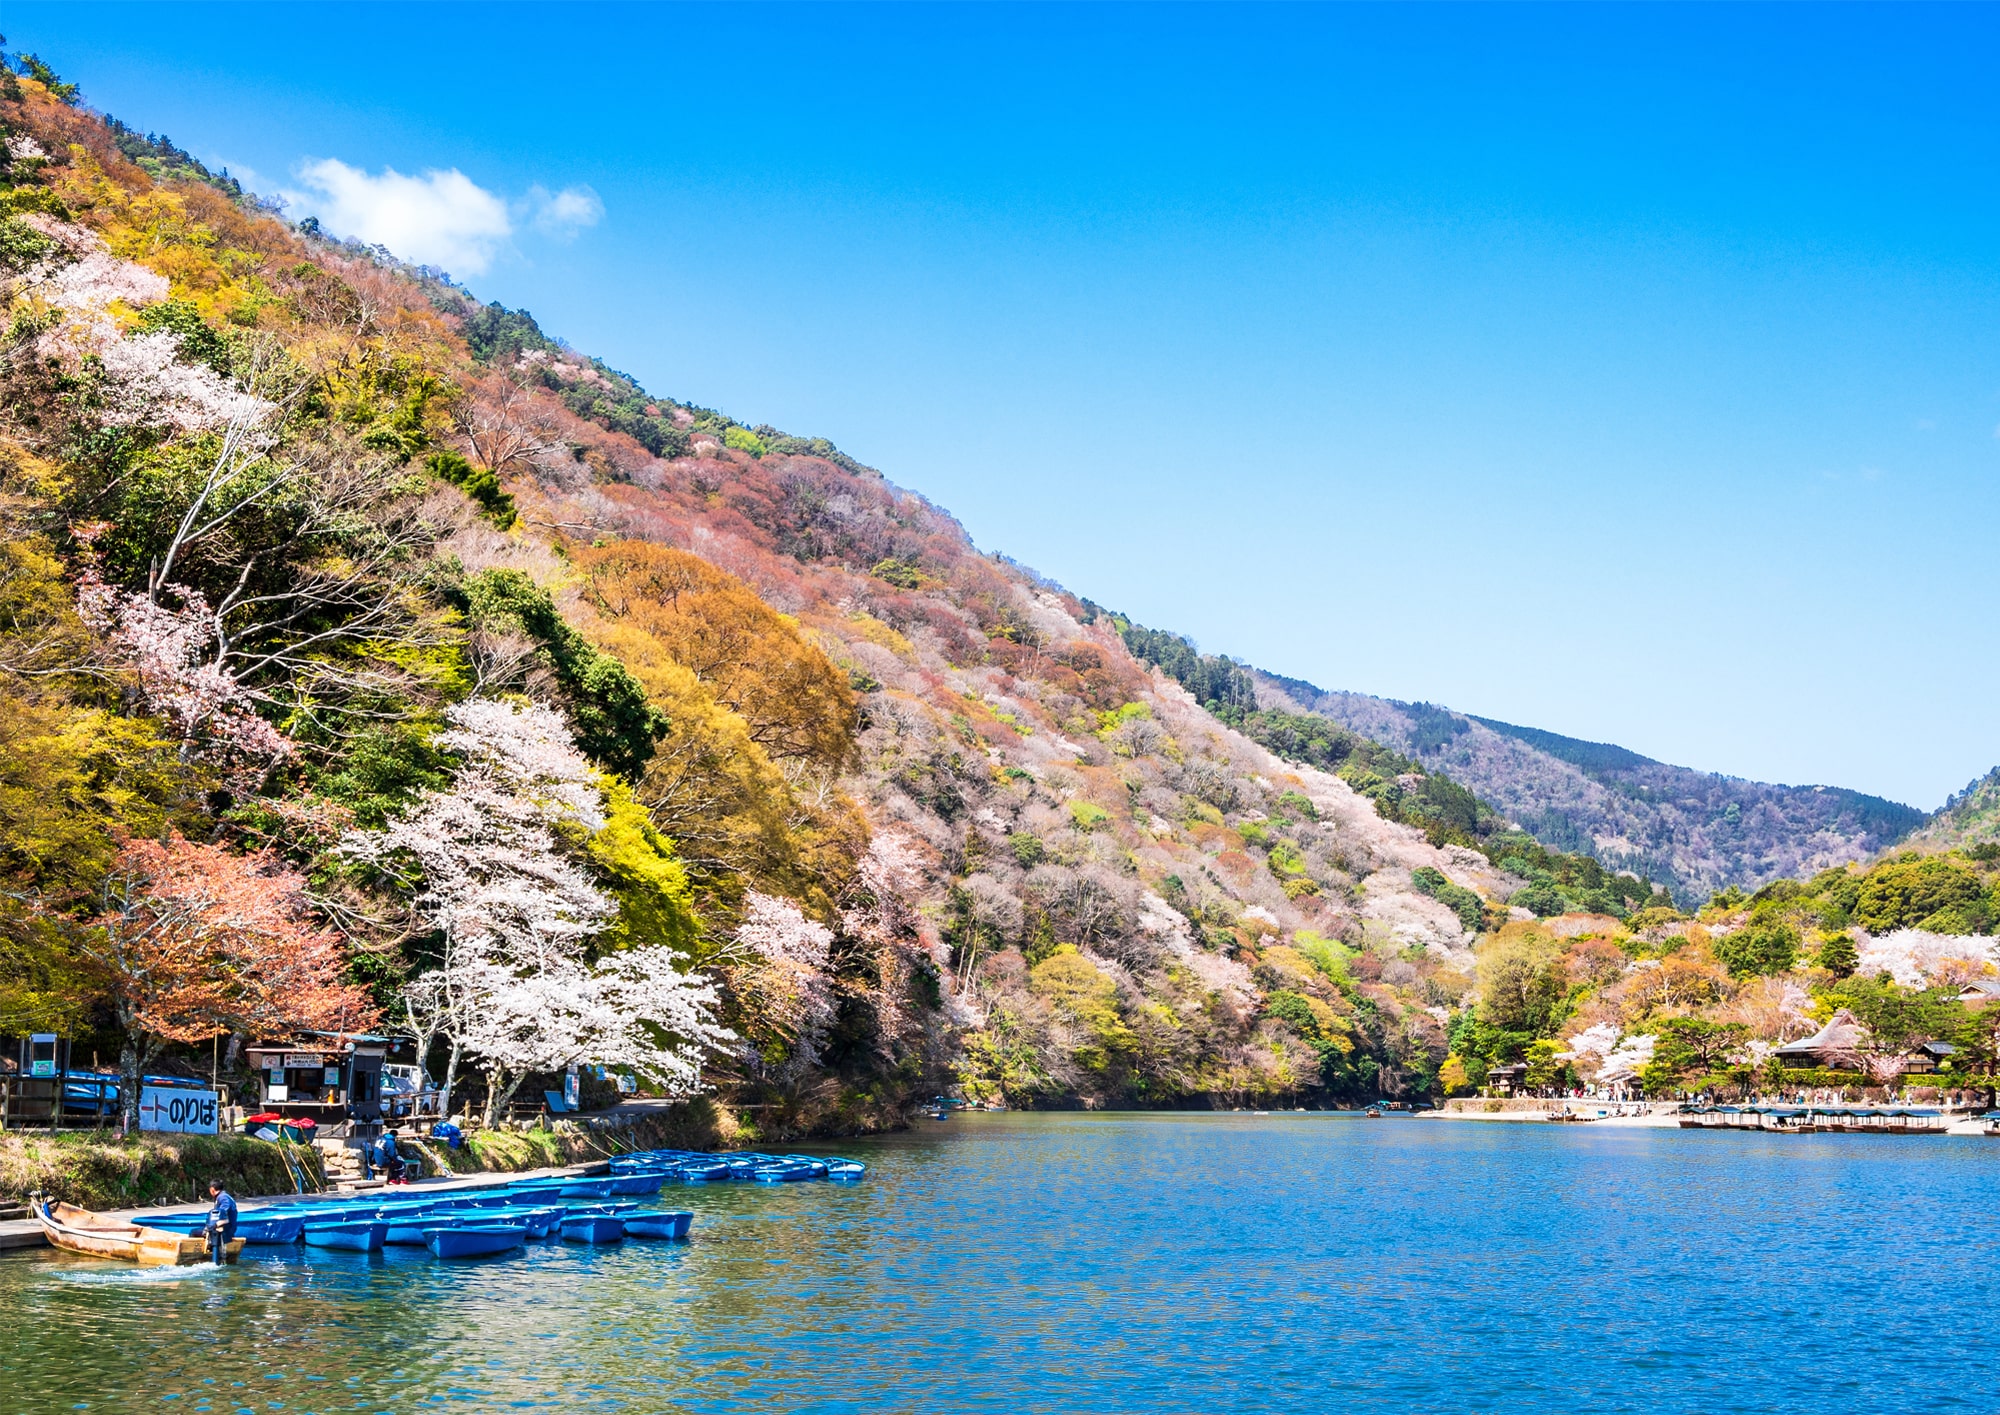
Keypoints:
pixel 660 1224
pixel 476 1240
pixel 362 1237
pixel 80 1231
pixel 593 1228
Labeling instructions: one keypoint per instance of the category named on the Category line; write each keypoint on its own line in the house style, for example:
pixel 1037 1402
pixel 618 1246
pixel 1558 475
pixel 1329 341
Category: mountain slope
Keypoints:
pixel 1697 832
pixel 285 521
pixel 1969 818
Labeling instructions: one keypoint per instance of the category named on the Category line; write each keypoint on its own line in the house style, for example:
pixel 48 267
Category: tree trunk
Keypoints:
pixel 450 1080
pixel 499 1094
pixel 131 1063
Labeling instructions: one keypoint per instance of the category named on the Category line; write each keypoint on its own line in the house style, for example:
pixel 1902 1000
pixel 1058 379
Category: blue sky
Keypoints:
pixel 1629 372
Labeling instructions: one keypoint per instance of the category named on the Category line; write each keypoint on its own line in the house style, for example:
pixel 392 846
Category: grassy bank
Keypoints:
pixel 99 1171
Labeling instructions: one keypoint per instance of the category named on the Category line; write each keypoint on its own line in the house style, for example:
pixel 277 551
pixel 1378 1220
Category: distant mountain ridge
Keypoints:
pixel 1693 831
pixel 1969 818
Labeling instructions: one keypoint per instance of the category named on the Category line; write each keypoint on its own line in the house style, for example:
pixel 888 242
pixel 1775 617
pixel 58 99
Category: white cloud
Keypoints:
pixel 564 213
pixel 441 218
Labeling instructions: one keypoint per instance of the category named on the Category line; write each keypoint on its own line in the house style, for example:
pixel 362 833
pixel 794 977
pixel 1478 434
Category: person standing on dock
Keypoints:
pixel 221 1221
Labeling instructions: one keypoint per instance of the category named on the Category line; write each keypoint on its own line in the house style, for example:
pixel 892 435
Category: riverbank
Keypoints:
pixel 1659 1115
pixel 96 1170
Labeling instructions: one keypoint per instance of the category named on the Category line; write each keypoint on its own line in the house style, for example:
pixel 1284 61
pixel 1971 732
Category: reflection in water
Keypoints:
pixel 1112 1263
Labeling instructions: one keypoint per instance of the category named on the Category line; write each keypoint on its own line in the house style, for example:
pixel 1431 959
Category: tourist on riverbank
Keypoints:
pixel 221 1221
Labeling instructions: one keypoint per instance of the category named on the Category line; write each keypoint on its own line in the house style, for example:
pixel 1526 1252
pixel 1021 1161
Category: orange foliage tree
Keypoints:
pixel 196 941
pixel 796 702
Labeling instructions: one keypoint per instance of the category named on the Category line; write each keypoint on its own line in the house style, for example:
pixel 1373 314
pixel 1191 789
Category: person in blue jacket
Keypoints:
pixel 387 1158
pixel 221 1220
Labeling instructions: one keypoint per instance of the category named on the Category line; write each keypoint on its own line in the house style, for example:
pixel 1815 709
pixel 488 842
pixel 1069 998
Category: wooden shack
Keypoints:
pixel 327 1077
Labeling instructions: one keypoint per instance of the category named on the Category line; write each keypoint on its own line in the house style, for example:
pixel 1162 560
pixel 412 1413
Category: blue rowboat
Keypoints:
pixel 476 1240
pixel 587 1189
pixel 660 1224
pixel 698 1173
pixel 408 1230
pixel 635 1183
pixel 812 1164
pixel 539 1221
pixel 845 1169
pixel 781 1173
pixel 361 1237
pixel 593 1228
pixel 282 1229
pixel 271 1230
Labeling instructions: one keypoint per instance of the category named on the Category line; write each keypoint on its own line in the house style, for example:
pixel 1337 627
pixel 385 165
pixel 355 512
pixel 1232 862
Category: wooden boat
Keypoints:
pixel 661 1224
pixel 78 1230
pixel 593 1228
pixel 476 1240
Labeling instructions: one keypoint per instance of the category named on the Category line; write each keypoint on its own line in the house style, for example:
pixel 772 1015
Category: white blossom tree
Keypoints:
pixel 783 986
pixel 513 987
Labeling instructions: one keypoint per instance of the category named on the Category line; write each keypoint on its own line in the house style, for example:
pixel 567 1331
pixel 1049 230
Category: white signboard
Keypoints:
pixel 188 1112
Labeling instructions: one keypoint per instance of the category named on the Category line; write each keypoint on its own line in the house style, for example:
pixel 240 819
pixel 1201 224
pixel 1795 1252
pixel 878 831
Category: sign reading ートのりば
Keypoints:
pixel 185 1112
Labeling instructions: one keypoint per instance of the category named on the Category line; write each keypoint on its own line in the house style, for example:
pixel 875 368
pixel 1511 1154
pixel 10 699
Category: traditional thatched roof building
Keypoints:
pixel 1979 992
pixel 1836 1046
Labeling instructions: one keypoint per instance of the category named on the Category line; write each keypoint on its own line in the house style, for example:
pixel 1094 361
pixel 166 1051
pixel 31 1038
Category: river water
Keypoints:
pixel 1028 1263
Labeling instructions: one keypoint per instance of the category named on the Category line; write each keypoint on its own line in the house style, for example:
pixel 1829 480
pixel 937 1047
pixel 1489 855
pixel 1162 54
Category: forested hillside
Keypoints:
pixel 1971 817
pixel 1694 832
pixel 372 658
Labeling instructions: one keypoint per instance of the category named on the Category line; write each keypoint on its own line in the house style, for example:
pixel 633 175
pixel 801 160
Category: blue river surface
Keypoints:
pixel 1125 1262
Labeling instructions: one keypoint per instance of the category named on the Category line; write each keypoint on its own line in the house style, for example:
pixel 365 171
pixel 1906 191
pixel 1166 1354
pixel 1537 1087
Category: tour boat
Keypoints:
pixel 593 1228
pixel 475 1240
pixel 360 1236
pixel 78 1230
pixel 659 1225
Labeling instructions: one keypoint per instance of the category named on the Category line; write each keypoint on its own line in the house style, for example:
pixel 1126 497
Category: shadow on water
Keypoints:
pixel 1121 1263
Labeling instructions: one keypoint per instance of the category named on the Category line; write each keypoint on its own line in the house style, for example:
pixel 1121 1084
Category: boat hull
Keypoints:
pixel 593 1228
pixel 353 1237
pixel 482 1240
pixel 658 1225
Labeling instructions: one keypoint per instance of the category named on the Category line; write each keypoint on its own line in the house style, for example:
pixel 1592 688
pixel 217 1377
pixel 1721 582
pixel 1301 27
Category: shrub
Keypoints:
pixel 1460 900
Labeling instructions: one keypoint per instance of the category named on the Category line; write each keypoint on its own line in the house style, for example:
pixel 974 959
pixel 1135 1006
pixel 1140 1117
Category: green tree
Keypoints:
pixel 605 704
pixel 1758 950
pixel 1839 956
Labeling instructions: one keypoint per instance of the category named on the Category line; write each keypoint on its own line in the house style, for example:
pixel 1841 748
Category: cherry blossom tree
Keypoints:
pixel 215 716
pixel 195 941
pixel 782 985
pixel 482 860
pixel 513 987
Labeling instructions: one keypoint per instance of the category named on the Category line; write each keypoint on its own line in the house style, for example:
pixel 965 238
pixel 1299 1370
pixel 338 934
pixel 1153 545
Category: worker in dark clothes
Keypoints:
pixel 387 1159
pixel 221 1220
